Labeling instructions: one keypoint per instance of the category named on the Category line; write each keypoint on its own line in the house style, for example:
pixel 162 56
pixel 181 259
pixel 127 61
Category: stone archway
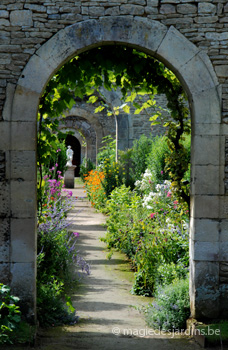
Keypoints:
pixel 75 123
pixel 79 137
pixel 195 72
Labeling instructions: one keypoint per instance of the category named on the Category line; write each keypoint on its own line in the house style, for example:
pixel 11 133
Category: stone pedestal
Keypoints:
pixel 69 177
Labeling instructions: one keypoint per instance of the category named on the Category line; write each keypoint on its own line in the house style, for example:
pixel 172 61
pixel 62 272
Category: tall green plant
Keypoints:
pixel 10 314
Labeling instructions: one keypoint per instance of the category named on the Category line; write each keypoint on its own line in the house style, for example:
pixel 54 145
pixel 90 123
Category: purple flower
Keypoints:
pixel 76 234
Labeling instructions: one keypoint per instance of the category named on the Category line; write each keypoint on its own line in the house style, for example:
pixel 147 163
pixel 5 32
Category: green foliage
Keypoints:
pixel 126 167
pixel 167 273
pixel 53 165
pixel 135 74
pixel 152 231
pixel 107 152
pixel 156 159
pixel 56 255
pixel 171 307
pixel 140 150
pixel 10 315
pixel 52 310
pixel 86 166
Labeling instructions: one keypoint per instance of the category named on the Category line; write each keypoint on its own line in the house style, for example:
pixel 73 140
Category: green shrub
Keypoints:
pixel 155 160
pixel 167 273
pixel 86 166
pixel 171 308
pixel 10 315
pixel 140 150
pixel 108 151
pixel 52 310
pixel 151 230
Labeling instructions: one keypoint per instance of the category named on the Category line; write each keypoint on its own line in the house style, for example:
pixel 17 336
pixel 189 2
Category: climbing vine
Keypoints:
pixel 135 74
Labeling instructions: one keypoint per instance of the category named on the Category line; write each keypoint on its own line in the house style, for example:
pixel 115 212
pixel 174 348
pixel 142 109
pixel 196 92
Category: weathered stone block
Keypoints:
pixel 223 289
pixel 4 240
pixel 152 3
pixel 206 107
pixel 151 10
pixel 211 144
pixel 204 230
pixel 23 164
pixel 24 109
pixel 205 251
pixel 224 207
pixel 206 295
pixel 32 77
pixel 23 240
pixel 4 22
pixel 176 50
pixel 69 177
pixel 96 11
pixel 21 18
pixel 223 252
pixel 224 231
pixel 186 9
pixel 200 81
pixel 4 199
pixel 201 129
pixel 23 285
pixel 206 179
pixel 167 9
pixel 23 199
pixel 4 14
pixel 131 10
pixel 19 141
pixel 112 11
pixel 5 272
pixel 35 8
pixel 222 70
pixel 137 2
pixel 206 8
pixel 5 136
pixel 205 207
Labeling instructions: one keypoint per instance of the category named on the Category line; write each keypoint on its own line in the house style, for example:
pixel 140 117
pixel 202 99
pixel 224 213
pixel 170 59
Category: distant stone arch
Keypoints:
pixel 196 73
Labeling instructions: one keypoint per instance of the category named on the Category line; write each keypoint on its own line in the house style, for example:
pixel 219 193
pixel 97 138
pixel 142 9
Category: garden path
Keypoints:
pixel 108 312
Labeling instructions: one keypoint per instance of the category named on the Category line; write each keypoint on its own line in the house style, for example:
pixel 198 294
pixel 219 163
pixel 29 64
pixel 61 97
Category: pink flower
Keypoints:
pixel 59 150
pixel 152 215
pixel 149 181
pixel 175 202
pixel 162 172
pixel 76 234
pixel 169 194
pixel 56 165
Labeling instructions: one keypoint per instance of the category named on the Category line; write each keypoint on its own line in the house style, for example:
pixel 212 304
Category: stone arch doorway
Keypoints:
pixel 80 137
pixel 76 147
pixel 195 72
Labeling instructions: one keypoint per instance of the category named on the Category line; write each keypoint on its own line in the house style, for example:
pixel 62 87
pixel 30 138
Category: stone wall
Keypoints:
pixel 25 25
pixel 191 37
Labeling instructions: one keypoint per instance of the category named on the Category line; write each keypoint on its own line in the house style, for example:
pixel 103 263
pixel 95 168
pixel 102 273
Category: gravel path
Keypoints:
pixel 110 317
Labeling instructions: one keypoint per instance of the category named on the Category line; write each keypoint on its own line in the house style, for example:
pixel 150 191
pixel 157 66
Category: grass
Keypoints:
pixel 24 334
pixel 215 333
pixel 78 181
